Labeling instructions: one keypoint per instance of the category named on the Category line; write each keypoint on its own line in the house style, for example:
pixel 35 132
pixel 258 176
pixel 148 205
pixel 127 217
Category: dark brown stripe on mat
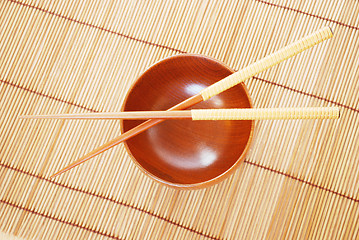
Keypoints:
pixel 308 94
pixel 256 78
pixel 302 181
pixel 167 47
pixel 59 220
pixel 96 27
pixel 108 199
pixel 45 95
pixel 181 51
pixel 163 218
pixel 308 14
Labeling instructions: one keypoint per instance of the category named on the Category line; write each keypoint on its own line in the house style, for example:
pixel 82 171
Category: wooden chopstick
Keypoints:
pixel 115 115
pixel 208 114
pixel 224 84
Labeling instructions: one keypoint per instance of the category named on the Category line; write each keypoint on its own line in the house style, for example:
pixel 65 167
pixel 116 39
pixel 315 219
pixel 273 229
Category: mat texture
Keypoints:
pixel 299 180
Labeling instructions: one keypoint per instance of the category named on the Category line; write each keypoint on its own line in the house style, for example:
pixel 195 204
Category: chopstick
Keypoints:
pixel 222 85
pixel 208 114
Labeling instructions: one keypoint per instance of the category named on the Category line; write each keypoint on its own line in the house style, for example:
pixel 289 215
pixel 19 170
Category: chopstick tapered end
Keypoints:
pixel 67 168
pixel 331 31
pixel 338 113
pixel 55 175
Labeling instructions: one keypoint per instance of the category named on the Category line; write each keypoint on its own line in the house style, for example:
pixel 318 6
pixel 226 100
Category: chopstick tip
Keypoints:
pixel 331 30
pixel 338 112
pixel 55 175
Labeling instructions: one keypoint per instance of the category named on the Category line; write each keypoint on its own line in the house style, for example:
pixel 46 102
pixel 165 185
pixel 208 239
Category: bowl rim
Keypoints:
pixel 199 185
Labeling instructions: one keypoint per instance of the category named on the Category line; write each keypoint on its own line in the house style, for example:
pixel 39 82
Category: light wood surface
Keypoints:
pixel 75 57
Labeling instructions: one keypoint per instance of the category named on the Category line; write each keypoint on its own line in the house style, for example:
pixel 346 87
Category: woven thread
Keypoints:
pixel 267 62
pixel 266 113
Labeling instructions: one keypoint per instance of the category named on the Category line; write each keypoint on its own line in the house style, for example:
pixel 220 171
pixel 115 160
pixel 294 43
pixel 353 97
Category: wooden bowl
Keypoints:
pixel 186 153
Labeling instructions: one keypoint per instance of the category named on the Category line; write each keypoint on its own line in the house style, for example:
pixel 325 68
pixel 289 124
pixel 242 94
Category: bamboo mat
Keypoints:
pixel 299 180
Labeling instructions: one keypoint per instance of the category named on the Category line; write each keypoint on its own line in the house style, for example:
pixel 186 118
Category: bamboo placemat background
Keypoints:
pixel 300 179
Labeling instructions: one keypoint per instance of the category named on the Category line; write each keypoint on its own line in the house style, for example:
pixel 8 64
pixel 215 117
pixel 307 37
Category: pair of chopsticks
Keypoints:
pixel 222 85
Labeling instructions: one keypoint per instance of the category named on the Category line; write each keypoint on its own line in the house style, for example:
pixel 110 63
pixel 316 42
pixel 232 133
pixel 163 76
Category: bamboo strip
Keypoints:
pixel 84 56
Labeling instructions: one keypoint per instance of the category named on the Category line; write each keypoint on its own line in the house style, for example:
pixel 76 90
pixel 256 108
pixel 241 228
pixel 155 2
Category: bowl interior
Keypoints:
pixel 184 151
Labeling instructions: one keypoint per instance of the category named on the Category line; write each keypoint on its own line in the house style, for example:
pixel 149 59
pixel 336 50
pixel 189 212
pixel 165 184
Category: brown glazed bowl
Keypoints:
pixel 184 153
